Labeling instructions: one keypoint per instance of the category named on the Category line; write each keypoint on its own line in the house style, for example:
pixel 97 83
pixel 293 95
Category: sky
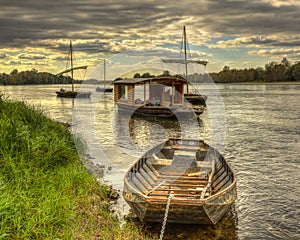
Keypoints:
pixel 139 33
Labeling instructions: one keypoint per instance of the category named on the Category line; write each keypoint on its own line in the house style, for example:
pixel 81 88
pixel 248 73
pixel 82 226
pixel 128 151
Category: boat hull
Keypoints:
pixel 98 89
pixel 202 190
pixel 71 94
pixel 180 211
pixel 196 99
pixel 157 111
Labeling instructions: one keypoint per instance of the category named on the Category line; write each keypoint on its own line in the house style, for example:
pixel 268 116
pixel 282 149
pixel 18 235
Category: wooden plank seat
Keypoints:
pixel 190 147
pixel 180 184
pixel 188 175
pixel 161 162
pixel 185 195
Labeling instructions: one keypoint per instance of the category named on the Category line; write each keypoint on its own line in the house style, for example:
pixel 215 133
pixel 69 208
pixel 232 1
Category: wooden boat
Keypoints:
pixel 104 89
pixel 63 93
pixel 99 89
pixel 202 184
pixel 157 96
pixel 193 97
pixel 72 94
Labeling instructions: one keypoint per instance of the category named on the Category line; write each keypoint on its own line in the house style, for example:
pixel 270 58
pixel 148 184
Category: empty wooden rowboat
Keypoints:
pixel 193 176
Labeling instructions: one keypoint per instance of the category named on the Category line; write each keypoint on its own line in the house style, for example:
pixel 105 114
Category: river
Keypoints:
pixel 255 126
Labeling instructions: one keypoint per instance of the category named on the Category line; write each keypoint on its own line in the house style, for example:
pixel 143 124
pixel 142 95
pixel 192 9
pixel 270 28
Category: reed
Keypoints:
pixel 45 191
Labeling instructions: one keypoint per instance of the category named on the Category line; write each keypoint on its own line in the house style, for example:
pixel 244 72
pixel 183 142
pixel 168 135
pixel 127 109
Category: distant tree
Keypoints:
pixel 166 73
pixel 286 63
pixel 146 75
pixel 226 68
pixel 296 72
pixel 137 75
pixel 14 72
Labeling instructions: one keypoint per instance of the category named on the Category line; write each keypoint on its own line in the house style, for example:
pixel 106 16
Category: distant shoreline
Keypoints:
pixel 264 83
pixel 110 82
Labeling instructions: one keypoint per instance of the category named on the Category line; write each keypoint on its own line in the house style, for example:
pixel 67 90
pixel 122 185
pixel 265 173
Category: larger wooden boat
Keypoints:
pixel 193 176
pixel 63 93
pixel 193 97
pixel 158 96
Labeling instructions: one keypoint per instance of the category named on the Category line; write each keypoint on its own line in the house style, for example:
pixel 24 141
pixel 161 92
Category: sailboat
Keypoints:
pixel 104 89
pixel 72 94
pixel 193 98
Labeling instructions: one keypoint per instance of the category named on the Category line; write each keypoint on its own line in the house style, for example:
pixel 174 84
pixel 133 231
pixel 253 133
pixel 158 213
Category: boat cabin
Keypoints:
pixel 157 91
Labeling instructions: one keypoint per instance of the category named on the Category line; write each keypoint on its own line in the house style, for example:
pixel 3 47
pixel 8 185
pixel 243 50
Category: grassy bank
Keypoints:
pixel 45 191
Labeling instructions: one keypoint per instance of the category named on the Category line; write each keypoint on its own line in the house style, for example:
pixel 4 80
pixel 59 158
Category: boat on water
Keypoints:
pixel 193 97
pixel 99 89
pixel 104 89
pixel 157 96
pixel 63 93
pixel 187 178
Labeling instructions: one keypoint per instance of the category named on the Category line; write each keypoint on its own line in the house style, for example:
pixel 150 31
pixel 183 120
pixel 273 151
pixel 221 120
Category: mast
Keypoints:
pixel 185 61
pixel 185 58
pixel 72 74
pixel 104 73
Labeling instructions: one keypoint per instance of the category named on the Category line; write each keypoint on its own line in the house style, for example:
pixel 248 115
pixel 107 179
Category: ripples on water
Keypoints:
pixel 258 135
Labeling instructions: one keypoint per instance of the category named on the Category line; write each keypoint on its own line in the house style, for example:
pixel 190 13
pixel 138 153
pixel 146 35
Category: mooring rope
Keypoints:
pixel 162 232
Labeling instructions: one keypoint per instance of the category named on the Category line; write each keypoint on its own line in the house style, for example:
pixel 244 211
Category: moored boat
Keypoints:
pixel 72 94
pixel 189 175
pixel 157 96
pixel 99 89
pixel 63 93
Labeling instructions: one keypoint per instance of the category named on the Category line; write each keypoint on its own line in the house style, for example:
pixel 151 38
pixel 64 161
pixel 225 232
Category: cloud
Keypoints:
pixel 99 29
pixel 39 20
pixel 31 56
pixel 3 56
pixel 258 42
pixel 293 52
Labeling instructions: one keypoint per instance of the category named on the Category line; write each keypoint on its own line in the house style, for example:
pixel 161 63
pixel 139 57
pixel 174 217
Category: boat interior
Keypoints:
pixel 189 169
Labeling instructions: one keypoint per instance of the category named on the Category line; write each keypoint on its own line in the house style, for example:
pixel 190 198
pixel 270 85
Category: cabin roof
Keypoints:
pixel 155 79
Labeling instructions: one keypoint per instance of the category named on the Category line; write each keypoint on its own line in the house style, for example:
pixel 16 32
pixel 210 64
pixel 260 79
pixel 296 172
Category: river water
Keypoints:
pixel 256 128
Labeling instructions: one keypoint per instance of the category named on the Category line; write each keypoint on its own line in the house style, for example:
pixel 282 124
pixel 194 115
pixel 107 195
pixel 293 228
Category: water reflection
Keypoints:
pixel 226 228
pixel 136 135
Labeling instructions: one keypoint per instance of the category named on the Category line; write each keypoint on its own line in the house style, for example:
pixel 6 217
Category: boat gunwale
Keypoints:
pixel 188 201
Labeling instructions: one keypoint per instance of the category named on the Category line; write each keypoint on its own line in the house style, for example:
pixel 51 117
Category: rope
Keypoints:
pixel 166 216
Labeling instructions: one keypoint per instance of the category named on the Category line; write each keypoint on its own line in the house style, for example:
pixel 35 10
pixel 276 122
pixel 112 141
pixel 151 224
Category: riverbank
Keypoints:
pixel 264 83
pixel 45 190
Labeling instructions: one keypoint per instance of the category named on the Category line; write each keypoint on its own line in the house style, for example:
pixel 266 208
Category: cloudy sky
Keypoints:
pixel 236 33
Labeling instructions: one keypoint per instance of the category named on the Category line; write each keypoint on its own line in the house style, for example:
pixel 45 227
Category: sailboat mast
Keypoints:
pixel 185 57
pixel 104 73
pixel 72 74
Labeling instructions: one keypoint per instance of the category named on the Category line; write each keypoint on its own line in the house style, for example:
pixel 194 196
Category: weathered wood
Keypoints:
pixel 168 162
pixel 207 187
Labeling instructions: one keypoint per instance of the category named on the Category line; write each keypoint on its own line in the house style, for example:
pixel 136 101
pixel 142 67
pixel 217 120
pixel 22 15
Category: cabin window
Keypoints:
pixel 124 92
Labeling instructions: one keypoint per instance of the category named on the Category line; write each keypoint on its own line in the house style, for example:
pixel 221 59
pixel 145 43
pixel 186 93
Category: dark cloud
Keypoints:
pixel 40 19
pixel 3 56
pixel 99 26
pixel 251 17
pixel 31 56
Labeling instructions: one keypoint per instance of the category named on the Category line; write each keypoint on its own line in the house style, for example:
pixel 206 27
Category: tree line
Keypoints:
pixel 34 77
pixel 272 72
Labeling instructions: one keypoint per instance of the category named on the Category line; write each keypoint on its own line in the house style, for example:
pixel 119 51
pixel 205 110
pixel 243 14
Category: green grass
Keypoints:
pixel 45 191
